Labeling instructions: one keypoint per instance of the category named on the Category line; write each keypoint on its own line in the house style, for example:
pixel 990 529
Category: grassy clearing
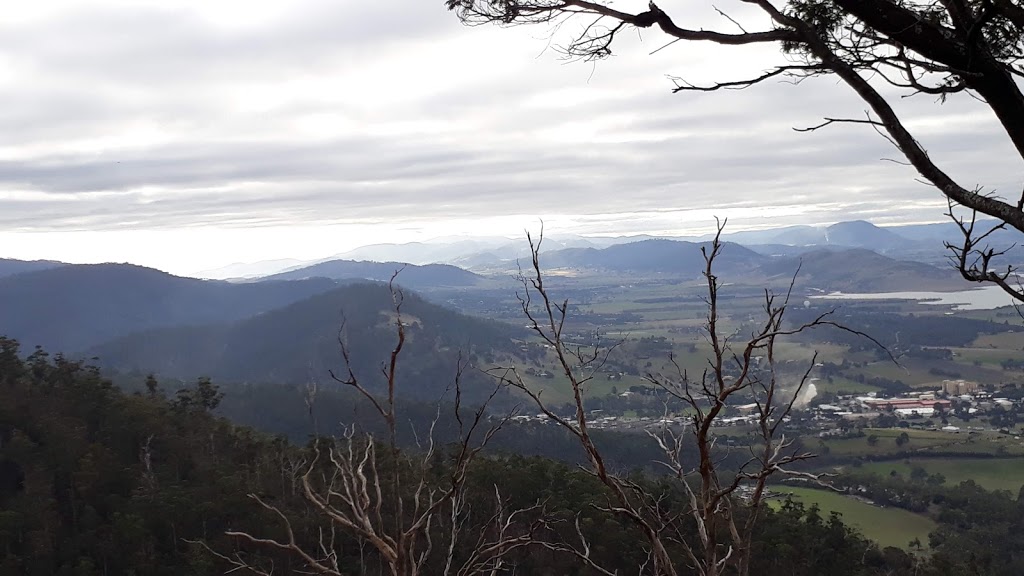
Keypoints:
pixel 992 443
pixel 912 372
pixel 557 390
pixel 990 350
pixel 989 473
pixel 1005 340
pixel 926 443
pixel 887 526
pixel 886 445
pixel 991 357
pixel 844 385
pixel 803 352
pixel 999 315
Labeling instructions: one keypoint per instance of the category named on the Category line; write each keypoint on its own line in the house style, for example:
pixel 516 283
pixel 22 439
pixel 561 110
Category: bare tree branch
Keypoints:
pixel 389 500
pixel 941 49
pixel 715 506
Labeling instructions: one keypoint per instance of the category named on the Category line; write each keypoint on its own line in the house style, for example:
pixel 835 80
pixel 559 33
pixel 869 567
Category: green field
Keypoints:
pixel 919 440
pixel 838 384
pixel 925 443
pixel 887 526
pixel 672 309
pixel 557 390
pixel 911 371
pixel 989 473
pixel 1004 340
pixel 990 350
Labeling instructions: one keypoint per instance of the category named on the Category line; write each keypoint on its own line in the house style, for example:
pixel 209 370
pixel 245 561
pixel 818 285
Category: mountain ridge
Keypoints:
pixel 412 275
pixel 298 343
pixel 72 307
pixel 11 266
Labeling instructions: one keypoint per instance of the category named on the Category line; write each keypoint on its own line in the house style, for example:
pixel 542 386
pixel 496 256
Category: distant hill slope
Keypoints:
pixel 852 234
pixel 652 256
pixel 948 230
pixel 412 276
pixel 245 270
pixel 298 343
pixel 862 234
pixel 455 249
pixel 70 308
pixel 422 252
pixel 861 270
pixel 10 267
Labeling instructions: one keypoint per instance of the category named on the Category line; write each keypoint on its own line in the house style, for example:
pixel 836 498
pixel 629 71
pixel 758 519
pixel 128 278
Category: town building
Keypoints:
pixel 906 405
pixel 959 387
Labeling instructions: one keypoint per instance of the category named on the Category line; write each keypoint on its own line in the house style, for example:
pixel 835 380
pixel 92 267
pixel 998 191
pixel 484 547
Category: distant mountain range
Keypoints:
pixel 652 257
pixel 855 234
pixel 71 308
pixel 920 242
pixel 455 249
pixel 284 327
pixel 489 255
pixel 828 267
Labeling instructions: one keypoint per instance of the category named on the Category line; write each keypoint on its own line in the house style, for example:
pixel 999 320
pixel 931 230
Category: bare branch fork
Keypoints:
pixel 723 515
pixel 937 48
pixel 390 501
pixel 975 258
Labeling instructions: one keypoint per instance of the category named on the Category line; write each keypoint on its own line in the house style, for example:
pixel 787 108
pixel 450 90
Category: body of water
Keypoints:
pixel 985 298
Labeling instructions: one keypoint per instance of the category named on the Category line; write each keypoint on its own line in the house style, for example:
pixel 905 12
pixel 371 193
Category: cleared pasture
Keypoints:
pixel 887 526
pixel 989 473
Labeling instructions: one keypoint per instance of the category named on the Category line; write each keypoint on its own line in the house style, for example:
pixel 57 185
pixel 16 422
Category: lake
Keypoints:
pixel 985 298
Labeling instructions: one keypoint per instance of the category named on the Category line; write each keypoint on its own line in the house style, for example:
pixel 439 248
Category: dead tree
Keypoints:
pixel 723 505
pixel 373 491
pixel 937 48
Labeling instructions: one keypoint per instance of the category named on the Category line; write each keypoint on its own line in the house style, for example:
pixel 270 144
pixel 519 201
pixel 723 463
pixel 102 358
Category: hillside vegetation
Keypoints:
pixel 96 482
pixel 410 275
pixel 73 307
pixel 299 343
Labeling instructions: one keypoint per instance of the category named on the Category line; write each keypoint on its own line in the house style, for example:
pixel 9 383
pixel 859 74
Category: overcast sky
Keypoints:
pixel 195 133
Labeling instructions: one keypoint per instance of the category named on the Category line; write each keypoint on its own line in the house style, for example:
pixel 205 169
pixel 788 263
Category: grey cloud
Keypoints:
pixel 669 152
pixel 367 179
pixel 137 44
pixel 370 176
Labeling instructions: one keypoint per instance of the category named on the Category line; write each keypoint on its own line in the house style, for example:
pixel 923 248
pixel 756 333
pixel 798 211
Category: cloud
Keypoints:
pixel 289 114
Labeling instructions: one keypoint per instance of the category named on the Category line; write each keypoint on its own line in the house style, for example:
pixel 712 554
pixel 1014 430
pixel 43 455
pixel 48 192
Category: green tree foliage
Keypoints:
pixel 95 481
pixel 298 344
pixel 902 439
pixel 72 308
pixel 980 532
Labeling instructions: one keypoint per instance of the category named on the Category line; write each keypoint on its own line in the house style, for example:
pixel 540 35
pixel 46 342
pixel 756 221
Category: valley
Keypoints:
pixel 275 347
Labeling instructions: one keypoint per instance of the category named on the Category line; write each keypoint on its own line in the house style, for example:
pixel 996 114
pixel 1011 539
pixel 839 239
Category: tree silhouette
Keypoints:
pixel 884 50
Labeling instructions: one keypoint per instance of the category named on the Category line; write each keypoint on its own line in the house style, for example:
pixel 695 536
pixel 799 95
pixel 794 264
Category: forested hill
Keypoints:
pixel 94 482
pixel 412 276
pixel 299 343
pixel 73 307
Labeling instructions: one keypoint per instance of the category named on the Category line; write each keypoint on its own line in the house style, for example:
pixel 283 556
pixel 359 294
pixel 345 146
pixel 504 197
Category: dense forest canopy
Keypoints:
pixel 95 481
